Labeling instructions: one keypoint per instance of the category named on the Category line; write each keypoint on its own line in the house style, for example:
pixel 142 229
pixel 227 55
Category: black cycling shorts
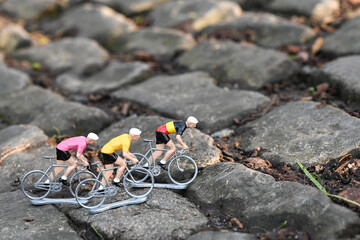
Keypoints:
pixel 162 138
pixel 108 158
pixel 61 155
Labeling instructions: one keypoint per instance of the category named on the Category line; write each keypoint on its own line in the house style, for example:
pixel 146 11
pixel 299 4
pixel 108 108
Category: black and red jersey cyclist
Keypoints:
pixel 162 137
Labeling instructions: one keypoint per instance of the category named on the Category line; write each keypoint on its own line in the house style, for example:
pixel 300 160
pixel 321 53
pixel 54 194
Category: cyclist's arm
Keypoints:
pixel 131 157
pixel 179 140
pixel 83 159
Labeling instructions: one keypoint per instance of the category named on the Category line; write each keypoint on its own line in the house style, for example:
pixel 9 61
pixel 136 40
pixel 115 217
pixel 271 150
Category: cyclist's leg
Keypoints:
pixel 107 174
pixel 158 153
pixel 57 170
pixel 61 159
pixel 161 140
pixel 170 152
pixel 122 165
pixel 72 165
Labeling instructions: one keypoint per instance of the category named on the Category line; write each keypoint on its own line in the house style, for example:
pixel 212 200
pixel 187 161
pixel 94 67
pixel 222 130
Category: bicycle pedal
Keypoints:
pixel 163 166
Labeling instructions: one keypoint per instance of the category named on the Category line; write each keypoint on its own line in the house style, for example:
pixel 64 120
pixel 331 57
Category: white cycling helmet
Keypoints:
pixel 135 131
pixel 192 120
pixel 93 136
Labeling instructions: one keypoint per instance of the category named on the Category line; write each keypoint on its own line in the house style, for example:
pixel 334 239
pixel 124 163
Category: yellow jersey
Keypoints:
pixel 121 142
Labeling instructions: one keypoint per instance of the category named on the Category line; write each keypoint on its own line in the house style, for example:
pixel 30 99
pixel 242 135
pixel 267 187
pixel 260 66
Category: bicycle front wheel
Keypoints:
pixel 88 194
pixel 36 184
pixel 182 170
pixel 134 183
pixel 77 178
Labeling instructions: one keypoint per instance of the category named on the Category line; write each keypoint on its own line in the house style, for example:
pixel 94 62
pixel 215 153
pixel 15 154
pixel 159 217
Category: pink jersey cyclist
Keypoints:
pixel 78 143
pixel 63 156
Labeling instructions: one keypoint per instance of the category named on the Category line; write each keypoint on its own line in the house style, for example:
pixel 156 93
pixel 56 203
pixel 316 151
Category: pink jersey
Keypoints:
pixel 78 143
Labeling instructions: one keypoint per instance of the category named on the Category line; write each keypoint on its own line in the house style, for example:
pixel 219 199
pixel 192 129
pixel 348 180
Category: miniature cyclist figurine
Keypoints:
pixel 63 155
pixel 109 157
pixel 162 137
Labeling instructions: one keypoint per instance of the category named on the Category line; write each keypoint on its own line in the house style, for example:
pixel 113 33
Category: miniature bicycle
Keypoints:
pixel 181 168
pixel 37 184
pixel 91 193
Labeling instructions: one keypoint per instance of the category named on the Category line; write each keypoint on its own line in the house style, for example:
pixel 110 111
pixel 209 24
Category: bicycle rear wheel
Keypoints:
pixel 36 184
pixel 77 178
pixel 134 183
pixel 88 195
pixel 182 170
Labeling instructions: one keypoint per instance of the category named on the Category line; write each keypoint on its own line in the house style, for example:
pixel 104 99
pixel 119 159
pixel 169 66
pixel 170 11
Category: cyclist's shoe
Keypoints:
pixel 64 182
pixel 101 190
pixel 118 184
pixel 163 166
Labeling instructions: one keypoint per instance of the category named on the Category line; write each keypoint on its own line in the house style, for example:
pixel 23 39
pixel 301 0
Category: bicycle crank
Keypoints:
pixel 156 171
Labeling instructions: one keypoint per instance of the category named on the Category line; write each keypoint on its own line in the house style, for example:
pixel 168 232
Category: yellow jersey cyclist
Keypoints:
pixel 108 156
pixel 163 139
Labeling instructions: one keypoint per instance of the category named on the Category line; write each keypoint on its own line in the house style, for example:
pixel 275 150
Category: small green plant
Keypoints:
pixel 292 56
pixel 58 134
pixel 282 225
pixel 312 90
pixel 36 66
pixel 322 188
pixel 97 232
pixel 139 19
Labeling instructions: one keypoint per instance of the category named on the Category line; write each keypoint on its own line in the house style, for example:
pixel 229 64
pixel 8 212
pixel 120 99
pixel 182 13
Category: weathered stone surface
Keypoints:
pixel 256 199
pixel 159 42
pixel 193 94
pixel 12 80
pixel 302 130
pixel 15 166
pixel 195 14
pixel 15 141
pixel 50 112
pixel 201 146
pixel 209 235
pixel 269 30
pixel 20 220
pixel 345 40
pixel 131 7
pixel 14 37
pixel 27 10
pixel 113 77
pixel 344 73
pixel 248 66
pixel 100 23
pixel 20 135
pixel 318 10
pixel 166 214
pixel 74 54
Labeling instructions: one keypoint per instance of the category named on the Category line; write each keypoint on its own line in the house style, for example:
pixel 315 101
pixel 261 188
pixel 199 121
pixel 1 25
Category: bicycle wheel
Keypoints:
pixel 133 178
pixel 88 195
pixel 77 178
pixel 182 170
pixel 36 184
pixel 144 163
